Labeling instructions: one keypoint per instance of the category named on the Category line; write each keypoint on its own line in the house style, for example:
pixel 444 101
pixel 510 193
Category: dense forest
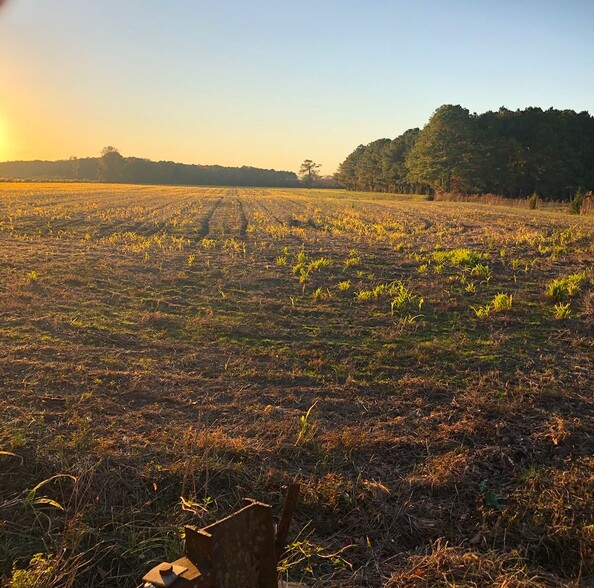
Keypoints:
pixel 111 166
pixel 510 153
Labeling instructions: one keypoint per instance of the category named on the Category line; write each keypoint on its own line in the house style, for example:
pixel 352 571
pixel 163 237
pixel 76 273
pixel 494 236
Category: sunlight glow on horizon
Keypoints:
pixel 260 84
pixel 4 141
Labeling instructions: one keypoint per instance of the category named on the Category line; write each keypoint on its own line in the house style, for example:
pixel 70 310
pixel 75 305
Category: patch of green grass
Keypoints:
pixel 461 256
pixel 502 302
pixel 562 311
pixel 568 287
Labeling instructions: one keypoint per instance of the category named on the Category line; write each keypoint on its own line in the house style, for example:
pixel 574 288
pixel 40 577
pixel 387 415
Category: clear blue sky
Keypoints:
pixel 269 83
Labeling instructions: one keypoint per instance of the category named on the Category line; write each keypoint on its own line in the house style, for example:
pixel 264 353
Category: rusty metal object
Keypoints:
pixel 164 575
pixel 282 530
pixel 240 550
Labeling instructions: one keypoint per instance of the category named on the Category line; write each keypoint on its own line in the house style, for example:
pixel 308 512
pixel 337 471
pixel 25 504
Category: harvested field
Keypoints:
pixel 161 347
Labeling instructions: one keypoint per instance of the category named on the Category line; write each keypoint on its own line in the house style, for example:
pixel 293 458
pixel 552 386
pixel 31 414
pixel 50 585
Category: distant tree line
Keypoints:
pixel 111 166
pixel 511 153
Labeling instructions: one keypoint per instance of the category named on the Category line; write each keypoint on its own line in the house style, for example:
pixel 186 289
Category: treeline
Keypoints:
pixel 111 166
pixel 510 153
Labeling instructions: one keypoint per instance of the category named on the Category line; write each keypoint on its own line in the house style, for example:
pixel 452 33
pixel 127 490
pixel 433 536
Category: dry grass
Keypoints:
pixel 156 351
pixel 449 567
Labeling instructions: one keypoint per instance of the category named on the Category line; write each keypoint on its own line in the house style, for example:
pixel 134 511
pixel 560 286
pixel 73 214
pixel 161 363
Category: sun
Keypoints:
pixel 3 140
pixel 6 144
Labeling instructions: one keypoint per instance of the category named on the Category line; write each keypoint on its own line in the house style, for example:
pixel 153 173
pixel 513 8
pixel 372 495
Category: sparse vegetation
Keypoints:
pixel 562 288
pixel 166 352
pixel 562 311
pixel 577 201
pixel 533 201
pixel 461 256
pixel 502 302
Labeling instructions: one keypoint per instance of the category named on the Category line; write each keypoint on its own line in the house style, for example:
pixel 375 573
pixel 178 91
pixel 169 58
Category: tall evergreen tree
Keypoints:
pixel 446 155
pixel 347 173
pixel 370 168
pixel 309 172
pixel 394 170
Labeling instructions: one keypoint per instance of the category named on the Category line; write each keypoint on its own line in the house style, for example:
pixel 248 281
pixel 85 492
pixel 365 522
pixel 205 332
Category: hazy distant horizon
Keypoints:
pixel 127 155
pixel 268 85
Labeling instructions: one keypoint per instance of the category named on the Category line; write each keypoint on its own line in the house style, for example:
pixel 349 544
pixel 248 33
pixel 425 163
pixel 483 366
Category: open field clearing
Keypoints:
pixel 161 348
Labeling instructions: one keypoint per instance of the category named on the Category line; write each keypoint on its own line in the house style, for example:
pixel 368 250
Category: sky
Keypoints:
pixel 269 83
